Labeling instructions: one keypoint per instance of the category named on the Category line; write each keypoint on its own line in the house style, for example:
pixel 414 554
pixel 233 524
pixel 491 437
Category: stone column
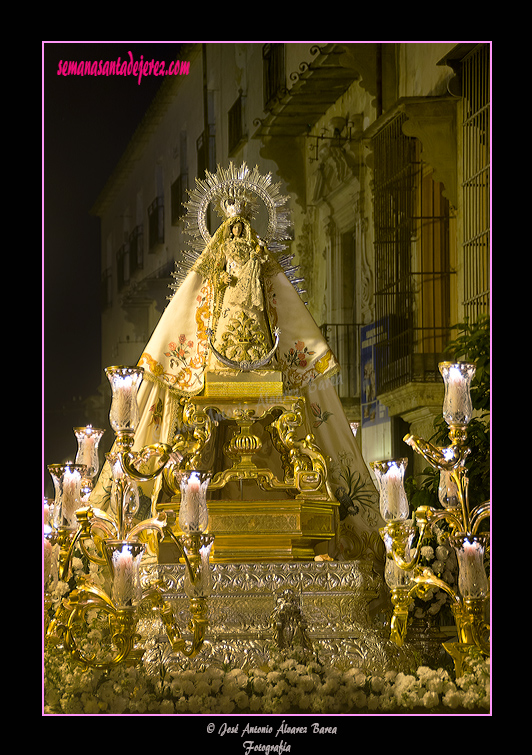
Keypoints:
pixel 418 404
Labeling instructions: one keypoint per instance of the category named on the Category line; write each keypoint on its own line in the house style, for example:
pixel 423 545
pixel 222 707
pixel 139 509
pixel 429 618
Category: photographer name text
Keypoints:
pixel 251 746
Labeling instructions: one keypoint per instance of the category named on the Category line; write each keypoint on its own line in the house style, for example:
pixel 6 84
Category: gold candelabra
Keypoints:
pixel 403 537
pixel 110 538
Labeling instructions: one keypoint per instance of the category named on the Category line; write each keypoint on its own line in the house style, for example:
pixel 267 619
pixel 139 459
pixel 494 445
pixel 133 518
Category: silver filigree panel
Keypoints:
pixel 333 597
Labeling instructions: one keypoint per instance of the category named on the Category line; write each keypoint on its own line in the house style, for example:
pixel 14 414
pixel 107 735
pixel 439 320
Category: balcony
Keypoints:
pixel 141 292
pixel 297 100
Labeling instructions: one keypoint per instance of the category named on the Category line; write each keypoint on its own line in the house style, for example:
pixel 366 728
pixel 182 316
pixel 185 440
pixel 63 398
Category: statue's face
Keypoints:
pixel 237 229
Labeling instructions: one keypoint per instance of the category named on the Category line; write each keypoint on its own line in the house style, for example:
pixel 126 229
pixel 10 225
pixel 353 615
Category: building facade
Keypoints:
pixel 383 149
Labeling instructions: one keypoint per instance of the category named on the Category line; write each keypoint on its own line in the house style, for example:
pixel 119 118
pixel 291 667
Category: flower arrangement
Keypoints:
pixel 56 589
pixel 434 604
pixel 292 683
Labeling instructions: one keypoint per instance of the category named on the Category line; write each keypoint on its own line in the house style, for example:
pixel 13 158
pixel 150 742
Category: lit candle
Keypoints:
pixel 457 407
pixel 88 440
pixel 123 576
pixel 393 500
pixel 454 384
pixel 472 579
pixel 124 412
pixel 47 545
pixel 203 582
pixel 193 512
pixel 67 481
pixel 47 559
pixel 46 512
pixel 71 495
pixel 394 483
pixel 125 557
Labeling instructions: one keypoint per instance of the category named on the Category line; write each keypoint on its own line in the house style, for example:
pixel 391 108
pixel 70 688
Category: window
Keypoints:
pixel 236 123
pixel 156 223
pixel 106 289
pixel 274 80
pixel 476 181
pixel 431 251
pixel 136 249
pixel 206 142
pixel 178 196
pixel 206 153
pixel 341 332
pixel 122 266
pixel 412 261
pixel 202 153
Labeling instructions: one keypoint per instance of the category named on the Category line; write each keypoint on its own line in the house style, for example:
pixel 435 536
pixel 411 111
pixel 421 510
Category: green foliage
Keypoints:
pixel 423 490
pixel 472 344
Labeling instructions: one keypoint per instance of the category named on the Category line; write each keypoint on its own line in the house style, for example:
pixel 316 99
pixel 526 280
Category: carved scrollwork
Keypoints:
pixel 249 365
pixel 189 444
pixel 303 458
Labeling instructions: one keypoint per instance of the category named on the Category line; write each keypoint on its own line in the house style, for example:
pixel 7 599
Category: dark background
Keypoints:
pixel 87 122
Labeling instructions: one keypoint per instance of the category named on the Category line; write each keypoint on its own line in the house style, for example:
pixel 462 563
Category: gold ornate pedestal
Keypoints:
pixel 262 530
pixel 269 498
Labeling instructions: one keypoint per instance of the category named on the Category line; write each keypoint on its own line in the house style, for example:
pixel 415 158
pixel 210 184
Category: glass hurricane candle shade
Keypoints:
pixel 67 482
pixel 124 499
pixel 117 482
pixel 131 502
pixel 203 581
pixel 47 560
pixel 48 512
pixel 394 576
pixel 472 579
pixel 88 439
pixel 457 407
pixel 47 545
pixel 124 559
pixel 448 491
pixel 125 383
pixel 193 512
pixel 390 477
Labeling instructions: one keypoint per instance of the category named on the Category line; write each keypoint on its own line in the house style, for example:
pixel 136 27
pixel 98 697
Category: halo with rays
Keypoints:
pixel 236 190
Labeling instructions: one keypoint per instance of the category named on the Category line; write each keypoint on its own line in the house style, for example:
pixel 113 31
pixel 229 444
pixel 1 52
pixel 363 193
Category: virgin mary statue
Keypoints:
pixel 236 311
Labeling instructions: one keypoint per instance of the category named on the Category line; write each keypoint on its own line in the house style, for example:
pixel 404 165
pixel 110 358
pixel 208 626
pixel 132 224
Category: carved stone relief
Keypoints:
pixel 365 261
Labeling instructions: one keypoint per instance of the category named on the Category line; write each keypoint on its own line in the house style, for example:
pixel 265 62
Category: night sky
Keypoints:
pixel 87 123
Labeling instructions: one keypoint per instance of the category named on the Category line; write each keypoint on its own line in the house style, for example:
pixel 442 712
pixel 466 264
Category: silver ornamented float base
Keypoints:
pixel 331 600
